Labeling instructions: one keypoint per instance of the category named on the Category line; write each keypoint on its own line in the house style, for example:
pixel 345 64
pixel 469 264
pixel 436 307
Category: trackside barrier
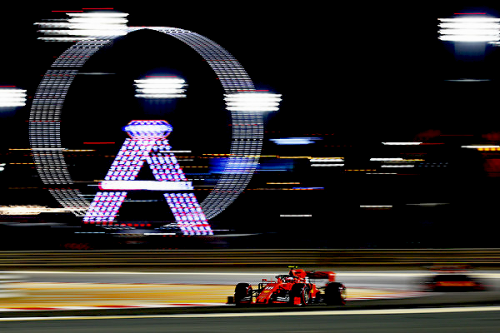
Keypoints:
pixel 15 260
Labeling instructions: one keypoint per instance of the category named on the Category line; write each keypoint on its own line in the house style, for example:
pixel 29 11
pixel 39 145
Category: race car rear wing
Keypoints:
pixel 321 275
pixel 324 275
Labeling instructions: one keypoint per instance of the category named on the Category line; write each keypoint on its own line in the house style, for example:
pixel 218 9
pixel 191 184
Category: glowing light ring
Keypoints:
pixel 45 118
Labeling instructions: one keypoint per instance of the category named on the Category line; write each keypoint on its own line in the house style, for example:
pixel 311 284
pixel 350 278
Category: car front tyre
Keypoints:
pixel 242 294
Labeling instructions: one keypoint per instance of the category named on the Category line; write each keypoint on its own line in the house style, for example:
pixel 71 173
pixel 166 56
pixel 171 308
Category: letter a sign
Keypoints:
pixel 148 143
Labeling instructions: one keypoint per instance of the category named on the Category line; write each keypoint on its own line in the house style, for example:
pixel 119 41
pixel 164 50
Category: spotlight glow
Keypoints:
pixel 12 97
pixel 252 101
pixel 84 26
pixel 160 87
pixel 469 29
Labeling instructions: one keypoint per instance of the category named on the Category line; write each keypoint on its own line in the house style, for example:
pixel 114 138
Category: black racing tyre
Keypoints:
pixel 243 294
pixel 335 294
pixel 319 298
pixel 300 290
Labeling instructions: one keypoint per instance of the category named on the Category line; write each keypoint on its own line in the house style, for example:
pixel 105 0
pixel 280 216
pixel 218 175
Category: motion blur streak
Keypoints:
pixel 294 141
pixel 249 258
pixel 481 146
pixel 327 165
pixel 401 143
pixel 29 210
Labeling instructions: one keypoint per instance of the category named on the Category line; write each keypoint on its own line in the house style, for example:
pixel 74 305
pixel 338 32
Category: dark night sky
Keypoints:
pixel 361 74
pixel 334 64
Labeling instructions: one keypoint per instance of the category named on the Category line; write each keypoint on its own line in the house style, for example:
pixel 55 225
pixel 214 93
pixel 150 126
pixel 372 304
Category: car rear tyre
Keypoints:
pixel 335 294
pixel 243 294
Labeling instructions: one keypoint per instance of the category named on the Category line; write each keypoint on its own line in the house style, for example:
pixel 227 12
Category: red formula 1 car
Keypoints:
pixel 453 282
pixel 299 287
pixel 452 278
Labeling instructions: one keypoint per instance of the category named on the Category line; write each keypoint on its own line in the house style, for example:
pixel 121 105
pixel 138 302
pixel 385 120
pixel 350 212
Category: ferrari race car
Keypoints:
pixel 299 287
pixel 453 282
pixel 452 278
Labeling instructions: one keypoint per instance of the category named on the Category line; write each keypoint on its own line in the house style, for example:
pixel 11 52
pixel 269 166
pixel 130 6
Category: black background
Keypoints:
pixel 352 75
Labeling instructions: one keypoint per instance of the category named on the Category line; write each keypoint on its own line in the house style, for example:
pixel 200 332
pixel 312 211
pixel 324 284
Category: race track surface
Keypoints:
pixel 53 291
pixel 452 320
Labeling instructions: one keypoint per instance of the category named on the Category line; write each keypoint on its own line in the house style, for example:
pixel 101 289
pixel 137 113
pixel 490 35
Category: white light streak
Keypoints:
pixel 29 210
pixel 85 25
pixel 294 141
pixel 385 159
pixel 401 143
pixel 295 215
pixel 429 204
pixel 381 173
pixel 397 166
pixel 252 101
pixel 159 234
pixel 12 97
pixel 63 39
pixel 480 146
pixel 326 159
pixel 122 185
pixel 468 80
pixel 375 206
pixel 89 33
pixel 161 87
pixel 470 29
pixel 328 165
pixel 470 19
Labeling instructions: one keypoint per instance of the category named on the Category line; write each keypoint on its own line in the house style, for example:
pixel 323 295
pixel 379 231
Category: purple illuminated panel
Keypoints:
pixel 148 143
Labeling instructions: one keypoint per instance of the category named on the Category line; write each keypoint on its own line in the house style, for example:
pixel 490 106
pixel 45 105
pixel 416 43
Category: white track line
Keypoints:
pixel 110 307
pixel 270 314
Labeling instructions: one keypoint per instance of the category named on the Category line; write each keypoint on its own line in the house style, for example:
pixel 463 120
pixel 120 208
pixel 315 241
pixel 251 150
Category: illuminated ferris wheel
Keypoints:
pixel 245 104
